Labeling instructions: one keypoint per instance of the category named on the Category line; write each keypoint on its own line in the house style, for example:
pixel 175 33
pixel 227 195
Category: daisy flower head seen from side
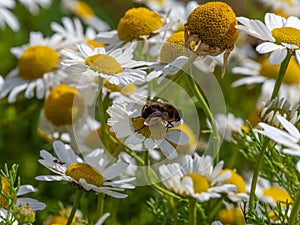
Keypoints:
pixel 195 176
pixel 281 35
pixel 38 68
pixel 271 109
pixel 210 30
pixel 173 55
pixel 116 66
pixel 138 24
pixel 148 124
pixel 95 172
pixel 289 138
pixel 23 209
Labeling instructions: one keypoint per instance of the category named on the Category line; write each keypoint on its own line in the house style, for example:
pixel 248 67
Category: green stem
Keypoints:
pixel 192 212
pixel 295 210
pixel 100 204
pixel 255 174
pixel 206 109
pixel 202 215
pixel 101 112
pixel 216 208
pixel 282 70
pixel 78 195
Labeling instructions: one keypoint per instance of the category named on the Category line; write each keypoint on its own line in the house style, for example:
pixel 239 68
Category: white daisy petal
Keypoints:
pixel 267 47
pixel 277 56
pixel 274 21
pixel 25 189
pixel 289 127
pixel 177 137
pixel 167 149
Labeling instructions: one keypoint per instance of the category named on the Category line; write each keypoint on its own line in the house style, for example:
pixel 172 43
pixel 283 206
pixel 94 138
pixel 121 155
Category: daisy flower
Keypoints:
pixel 91 173
pixel 86 13
pixel 7 17
pixel 173 56
pixel 266 192
pixel 138 24
pixel 228 124
pixel 33 5
pixel 65 112
pixel 23 189
pixel 271 109
pixel 38 68
pixel 73 33
pixel 196 177
pixel 280 35
pixel 211 27
pixel 290 7
pixel 126 122
pixel 264 73
pixel 116 66
pixel 23 209
pixel 288 138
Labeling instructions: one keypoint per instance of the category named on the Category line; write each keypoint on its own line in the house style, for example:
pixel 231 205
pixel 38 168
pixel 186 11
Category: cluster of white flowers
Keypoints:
pixel 101 109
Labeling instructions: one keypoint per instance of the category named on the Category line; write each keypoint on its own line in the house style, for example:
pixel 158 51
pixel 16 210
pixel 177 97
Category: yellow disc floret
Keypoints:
pixel 103 64
pixel 200 183
pixel 292 75
pixel 139 126
pixel 64 105
pixel 82 170
pixel 173 48
pixel 138 22
pixel 235 179
pixel 214 24
pixel 288 35
pixel 5 190
pixel 36 61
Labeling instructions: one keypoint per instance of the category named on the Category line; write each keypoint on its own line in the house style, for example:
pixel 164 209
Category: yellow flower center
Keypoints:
pixel 95 44
pixel 278 194
pixel 127 90
pixel 200 183
pixel 233 216
pixel 104 64
pixel 138 22
pixel 139 126
pixel 37 60
pixel 292 75
pixel 156 130
pixel 214 23
pixel 235 179
pixel 173 48
pixel 5 190
pixel 82 170
pixel 64 105
pixel 82 9
pixel 288 35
